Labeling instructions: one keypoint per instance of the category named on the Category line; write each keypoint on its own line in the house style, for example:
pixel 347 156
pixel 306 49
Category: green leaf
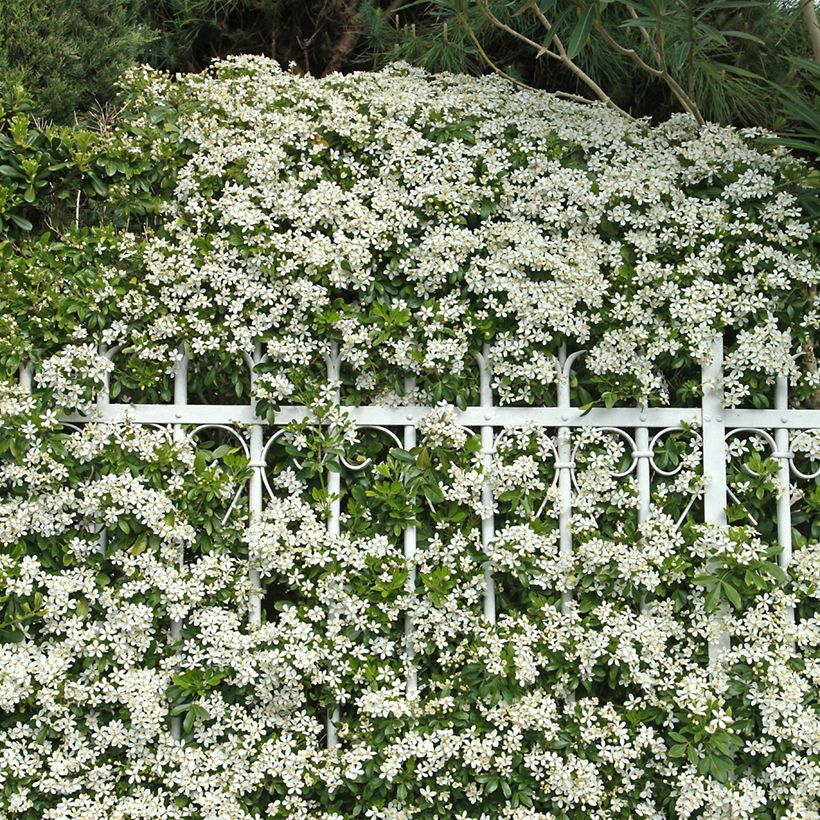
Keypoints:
pixel 98 185
pixel 580 34
pixel 21 222
pixel 10 635
pixel 775 571
pixel 741 35
pixel 726 5
pixel 704 580
pixel 720 766
pixel 678 750
pixel 433 494
pixel 732 594
pixel 402 455
pixel 221 451
pixel 141 544
pixel 713 599
pixel 200 711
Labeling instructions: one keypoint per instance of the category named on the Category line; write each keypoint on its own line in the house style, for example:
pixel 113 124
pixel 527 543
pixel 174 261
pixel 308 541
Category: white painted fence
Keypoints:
pixel 641 428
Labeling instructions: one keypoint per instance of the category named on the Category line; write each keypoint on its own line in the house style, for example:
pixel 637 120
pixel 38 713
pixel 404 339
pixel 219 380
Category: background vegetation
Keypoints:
pixel 733 58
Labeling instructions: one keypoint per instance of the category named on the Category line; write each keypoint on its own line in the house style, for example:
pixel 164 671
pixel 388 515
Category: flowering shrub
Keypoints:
pixel 412 220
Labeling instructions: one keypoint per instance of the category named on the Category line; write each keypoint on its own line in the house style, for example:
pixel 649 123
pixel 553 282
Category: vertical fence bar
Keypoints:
pixel 784 510
pixel 255 493
pixel 714 463
pixel 334 519
pixel 104 396
pixel 564 465
pixel 180 403
pixel 410 559
pixel 487 501
pixel 643 455
pixel 26 373
pixel 103 403
pixel 784 502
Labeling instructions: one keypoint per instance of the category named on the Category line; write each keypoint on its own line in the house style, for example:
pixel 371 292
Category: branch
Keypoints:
pixel 578 98
pixel 486 57
pixel 656 49
pixel 575 69
pixel 541 51
pixel 626 52
pixel 634 15
pixel 501 73
pixel 662 73
pixel 684 99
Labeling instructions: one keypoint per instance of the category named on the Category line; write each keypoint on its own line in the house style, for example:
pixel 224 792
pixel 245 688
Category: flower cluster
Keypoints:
pixel 414 219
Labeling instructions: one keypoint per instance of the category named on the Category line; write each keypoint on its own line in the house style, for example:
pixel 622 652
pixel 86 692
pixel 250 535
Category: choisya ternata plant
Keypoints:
pixel 411 220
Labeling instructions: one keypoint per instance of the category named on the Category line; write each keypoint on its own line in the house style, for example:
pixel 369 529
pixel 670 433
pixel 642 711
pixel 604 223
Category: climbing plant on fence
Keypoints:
pixel 397 446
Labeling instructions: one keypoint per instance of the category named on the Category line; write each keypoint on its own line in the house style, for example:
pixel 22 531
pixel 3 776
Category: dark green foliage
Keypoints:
pixel 726 64
pixel 803 111
pixel 800 126
pixel 191 33
pixel 68 53
pixel 734 62
pixel 40 169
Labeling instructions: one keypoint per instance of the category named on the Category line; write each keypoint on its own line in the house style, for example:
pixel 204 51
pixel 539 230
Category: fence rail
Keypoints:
pixel 475 416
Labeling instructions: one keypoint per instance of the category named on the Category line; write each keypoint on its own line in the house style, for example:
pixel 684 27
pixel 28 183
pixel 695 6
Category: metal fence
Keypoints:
pixel 640 427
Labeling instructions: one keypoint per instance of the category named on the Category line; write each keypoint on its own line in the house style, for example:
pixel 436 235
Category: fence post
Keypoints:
pixel 103 404
pixel 643 456
pixel 784 501
pixel 256 463
pixel 410 559
pixel 334 519
pixel 26 373
pixel 564 465
pixel 487 501
pixel 714 464
pixel 180 403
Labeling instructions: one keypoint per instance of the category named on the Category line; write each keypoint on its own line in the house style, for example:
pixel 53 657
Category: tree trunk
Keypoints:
pixel 810 16
pixel 809 357
pixel 347 42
